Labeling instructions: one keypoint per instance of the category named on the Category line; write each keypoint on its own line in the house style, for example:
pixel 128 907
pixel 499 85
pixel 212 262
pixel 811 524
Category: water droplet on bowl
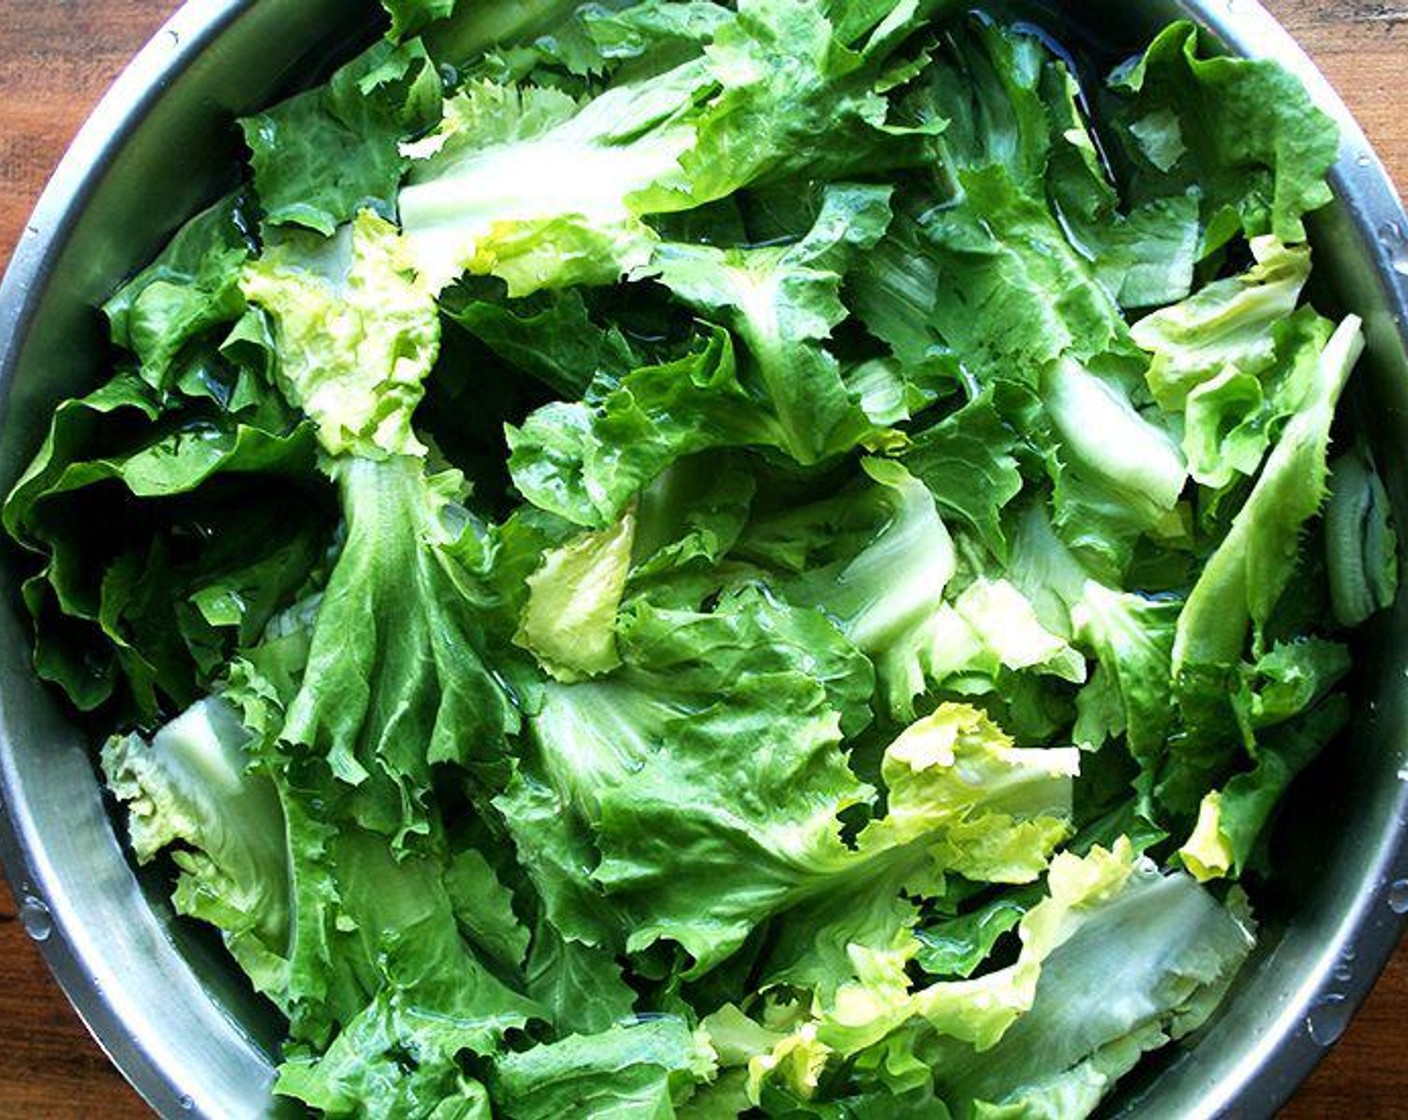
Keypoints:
pixel 1398 897
pixel 1364 160
pixel 186 1104
pixel 173 39
pixel 1327 1020
pixel 36 919
pixel 1395 241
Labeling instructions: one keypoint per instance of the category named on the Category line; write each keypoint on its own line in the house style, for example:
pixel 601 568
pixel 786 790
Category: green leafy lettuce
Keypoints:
pixel 695 559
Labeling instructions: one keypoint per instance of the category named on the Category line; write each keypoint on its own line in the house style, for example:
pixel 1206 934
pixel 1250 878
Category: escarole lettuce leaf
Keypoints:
pixel 156 558
pixel 155 568
pixel 782 303
pixel 1236 360
pixel 396 682
pixel 411 16
pixel 771 383
pixel 485 196
pixel 640 1070
pixel 585 460
pixel 397 679
pixel 670 558
pixel 962 803
pixel 878 559
pixel 356 334
pixel 1227 323
pixel 1178 951
pixel 196 784
pixel 397 963
pixel 367 954
pixel 1041 1036
pixel 422 994
pixel 191 287
pixel 752 692
pixel 961 800
pixel 1361 543
pixel 979 806
pixel 1084 894
pixel 569 620
pixel 322 156
pixel 1237 592
pixel 1242 135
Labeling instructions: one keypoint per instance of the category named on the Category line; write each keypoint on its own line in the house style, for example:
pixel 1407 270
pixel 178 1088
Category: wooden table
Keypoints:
pixel 56 58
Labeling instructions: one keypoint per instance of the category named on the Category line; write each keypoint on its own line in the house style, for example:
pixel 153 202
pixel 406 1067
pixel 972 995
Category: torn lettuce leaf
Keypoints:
pixel 196 784
pixel 356 334
pixel 1238 589
pixel 968 462
pixel 956 946
pixel 585 460
pixel 782 304
pixel 770 384
pixel 397 679
pixel 1132 637
pixel 553 337
pixel 191 287
pixel 363 951
pixel 409 17
pixel 423 997
pixel 569 621
pixel 483 198
pixel 1236 359
pixel 627 1071
pixel 1231 821
pixel 1243 134
pixel 1047 1039
pixel 1226 323
pixel 749 692
pixel 323 156
pixel 877 559
pixel 158 560
pixel 1360 539
pixel 1098 1008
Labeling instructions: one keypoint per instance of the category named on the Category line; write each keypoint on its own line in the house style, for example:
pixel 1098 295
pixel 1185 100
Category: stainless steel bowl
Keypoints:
pixel 173 1015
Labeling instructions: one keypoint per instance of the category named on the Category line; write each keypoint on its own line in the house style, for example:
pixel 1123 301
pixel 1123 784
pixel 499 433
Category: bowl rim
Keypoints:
pixel 1265 1076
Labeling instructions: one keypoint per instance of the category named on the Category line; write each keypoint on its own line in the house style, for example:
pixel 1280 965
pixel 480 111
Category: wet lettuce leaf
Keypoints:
pixel 1243 135
pixel 322 156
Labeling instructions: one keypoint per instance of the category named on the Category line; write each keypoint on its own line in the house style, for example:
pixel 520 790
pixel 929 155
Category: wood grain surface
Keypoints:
pixel 57 57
